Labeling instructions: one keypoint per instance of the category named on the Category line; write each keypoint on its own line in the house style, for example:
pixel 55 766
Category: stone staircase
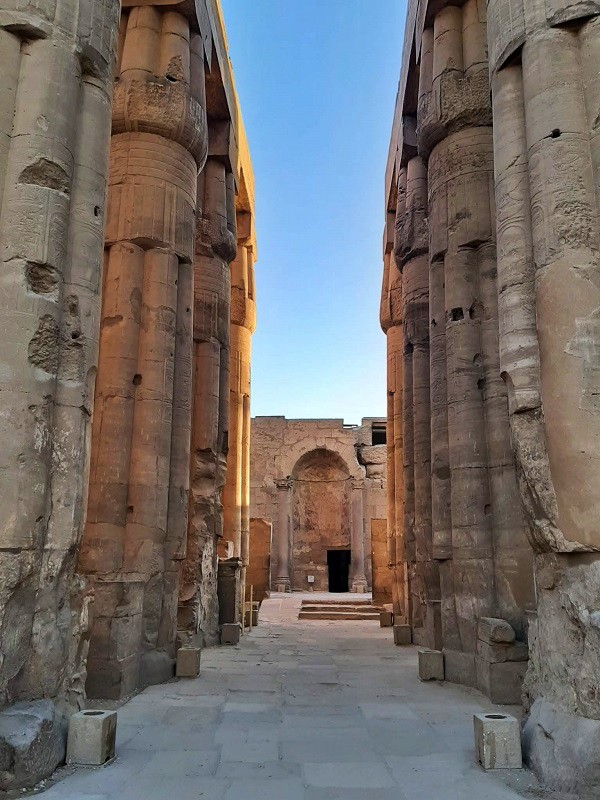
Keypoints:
pixel 339 610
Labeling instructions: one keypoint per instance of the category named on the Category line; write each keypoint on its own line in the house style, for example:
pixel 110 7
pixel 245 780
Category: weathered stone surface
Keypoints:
pixel 32 743
pixel 563 749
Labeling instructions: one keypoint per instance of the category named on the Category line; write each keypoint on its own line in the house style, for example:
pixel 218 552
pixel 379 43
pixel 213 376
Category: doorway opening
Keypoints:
pixel 338 566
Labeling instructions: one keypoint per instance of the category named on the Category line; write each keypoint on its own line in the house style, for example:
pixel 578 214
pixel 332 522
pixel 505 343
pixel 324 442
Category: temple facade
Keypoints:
pixel 128 250
pixel 490 301
pixel 319 486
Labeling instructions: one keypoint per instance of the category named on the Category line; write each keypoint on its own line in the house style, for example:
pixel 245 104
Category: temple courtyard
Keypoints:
pixel 300 710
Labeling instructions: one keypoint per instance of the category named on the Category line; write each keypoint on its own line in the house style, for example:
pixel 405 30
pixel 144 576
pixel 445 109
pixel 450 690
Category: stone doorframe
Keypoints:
pixel 282 533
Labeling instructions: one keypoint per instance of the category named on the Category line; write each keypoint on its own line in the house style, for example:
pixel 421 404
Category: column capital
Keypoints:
pixel 357 483
pixel 284 484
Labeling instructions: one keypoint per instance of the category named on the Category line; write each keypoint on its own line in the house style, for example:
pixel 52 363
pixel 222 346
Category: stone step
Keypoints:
pixel 341 607
pixel 340 603
pixel 332 614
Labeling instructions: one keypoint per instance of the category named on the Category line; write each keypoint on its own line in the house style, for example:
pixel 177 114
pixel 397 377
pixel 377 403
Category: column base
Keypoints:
pixel 283 585
pixel 360 586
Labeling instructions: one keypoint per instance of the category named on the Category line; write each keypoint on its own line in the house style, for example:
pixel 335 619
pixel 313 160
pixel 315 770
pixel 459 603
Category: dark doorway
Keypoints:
pixel 338 565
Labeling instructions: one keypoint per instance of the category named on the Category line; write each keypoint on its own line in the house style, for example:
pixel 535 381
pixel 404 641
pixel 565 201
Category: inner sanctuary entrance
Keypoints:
pixel 338 570
pixel 320 522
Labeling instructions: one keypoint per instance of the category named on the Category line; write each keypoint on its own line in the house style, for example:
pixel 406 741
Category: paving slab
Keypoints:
pixel 299 711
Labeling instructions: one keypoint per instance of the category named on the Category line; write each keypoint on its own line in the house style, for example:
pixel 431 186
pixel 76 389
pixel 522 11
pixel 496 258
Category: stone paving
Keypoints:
pixel 299 711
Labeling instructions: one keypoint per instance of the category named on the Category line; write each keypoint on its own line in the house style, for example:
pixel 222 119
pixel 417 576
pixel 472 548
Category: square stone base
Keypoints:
pixel 188 662
pixel 402 634
pixel 497 741
pixel 92 736
pixel 386 619
pixel 230 633
pixel 431 665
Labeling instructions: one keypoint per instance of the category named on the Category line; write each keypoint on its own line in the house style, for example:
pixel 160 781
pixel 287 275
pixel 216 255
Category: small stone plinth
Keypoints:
pixel 188 662
pixel 431 665
pixel 402 634
pixel 92 735
pixel 230 633
pixel 497 741
pixel 386 619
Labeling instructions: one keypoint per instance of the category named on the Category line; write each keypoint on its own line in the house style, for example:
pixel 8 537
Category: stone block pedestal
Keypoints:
pixel 497 741
pixel 431 665
pixel 402 634
pixel 230 633
pixel 92 736
pixel 188 662
pixel 386 619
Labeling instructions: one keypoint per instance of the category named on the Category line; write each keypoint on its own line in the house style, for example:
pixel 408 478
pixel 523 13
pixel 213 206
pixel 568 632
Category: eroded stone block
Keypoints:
pixel 32 744
pixel 92 736
pixel 492 630
pixel 496 653
pixel 188 662
pixel 497 741
pixel 501 682
pixel 431 665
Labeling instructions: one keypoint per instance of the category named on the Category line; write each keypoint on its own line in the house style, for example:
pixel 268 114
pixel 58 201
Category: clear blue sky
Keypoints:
pixel 317 81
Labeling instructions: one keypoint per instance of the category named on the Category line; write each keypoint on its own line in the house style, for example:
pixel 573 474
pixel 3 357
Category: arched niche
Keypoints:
pixel 320 520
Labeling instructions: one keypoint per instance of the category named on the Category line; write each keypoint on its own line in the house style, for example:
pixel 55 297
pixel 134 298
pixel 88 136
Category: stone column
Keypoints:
pixel 215 247
pixel 282 535
pixel 547 163
pixel 236 495
pixel 54 137
pixel 158 145
pixel 358 581
pixel 391 322
pixel 410 250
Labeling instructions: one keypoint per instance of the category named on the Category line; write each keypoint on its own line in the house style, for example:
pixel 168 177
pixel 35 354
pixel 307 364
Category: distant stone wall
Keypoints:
pixel 335 476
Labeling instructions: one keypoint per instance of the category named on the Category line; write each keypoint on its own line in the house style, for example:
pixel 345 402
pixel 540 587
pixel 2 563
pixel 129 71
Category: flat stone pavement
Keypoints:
pixel 299 711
